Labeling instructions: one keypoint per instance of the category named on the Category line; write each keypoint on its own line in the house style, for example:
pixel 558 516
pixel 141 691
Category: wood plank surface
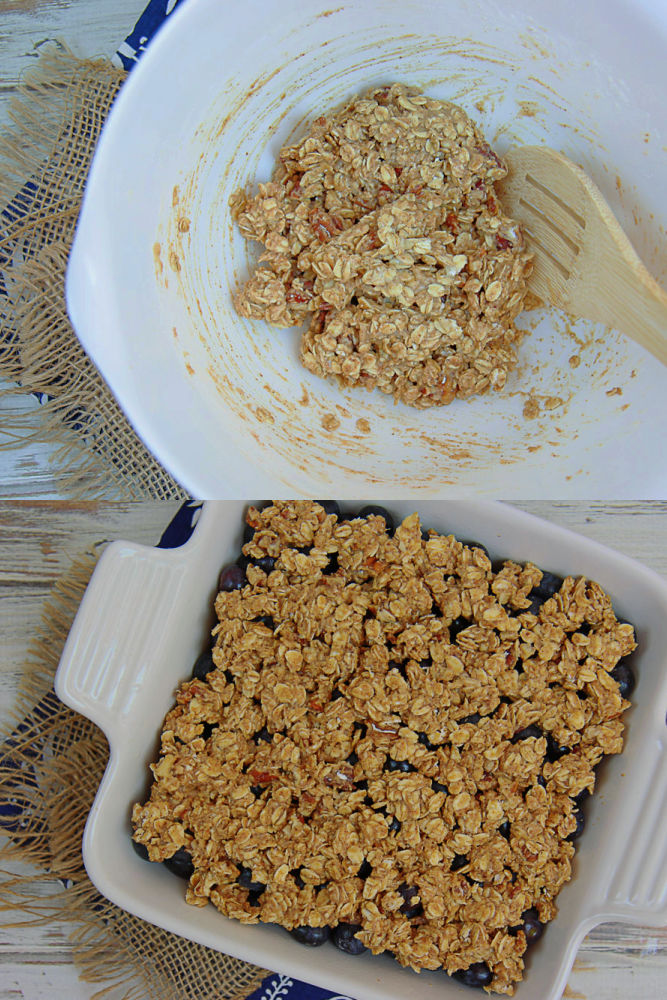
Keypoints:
pixel 89 28
pixel 38 540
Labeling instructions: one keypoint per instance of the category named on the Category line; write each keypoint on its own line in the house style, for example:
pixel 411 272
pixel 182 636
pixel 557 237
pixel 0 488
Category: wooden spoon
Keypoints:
pixel 584 263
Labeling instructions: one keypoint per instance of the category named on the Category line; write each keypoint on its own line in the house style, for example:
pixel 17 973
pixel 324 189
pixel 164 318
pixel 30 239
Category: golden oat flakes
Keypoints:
pixel 390 741
pixel 383 232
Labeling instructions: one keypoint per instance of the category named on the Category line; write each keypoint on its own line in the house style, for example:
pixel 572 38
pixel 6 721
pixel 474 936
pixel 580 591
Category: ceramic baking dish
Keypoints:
pixel 156 257
pixel 144 619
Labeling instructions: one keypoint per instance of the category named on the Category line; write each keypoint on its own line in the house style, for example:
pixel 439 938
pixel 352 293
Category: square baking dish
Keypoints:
pixel 146 616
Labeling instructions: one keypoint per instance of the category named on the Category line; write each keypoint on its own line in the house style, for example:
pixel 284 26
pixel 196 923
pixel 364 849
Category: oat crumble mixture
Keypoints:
pixel 383 231
pixel 378 726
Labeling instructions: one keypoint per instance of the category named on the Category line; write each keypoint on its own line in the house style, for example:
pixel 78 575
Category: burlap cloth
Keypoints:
pixel 50 768
pixel 44 159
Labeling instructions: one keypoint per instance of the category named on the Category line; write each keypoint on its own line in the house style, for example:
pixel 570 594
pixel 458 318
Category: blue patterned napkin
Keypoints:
pixel 153 17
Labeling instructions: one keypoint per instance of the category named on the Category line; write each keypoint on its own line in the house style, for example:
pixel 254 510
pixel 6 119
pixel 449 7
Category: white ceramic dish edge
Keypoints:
pixel 120 668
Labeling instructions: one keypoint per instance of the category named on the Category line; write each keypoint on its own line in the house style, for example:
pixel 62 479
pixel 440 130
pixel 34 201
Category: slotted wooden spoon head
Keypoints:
pixel 584 263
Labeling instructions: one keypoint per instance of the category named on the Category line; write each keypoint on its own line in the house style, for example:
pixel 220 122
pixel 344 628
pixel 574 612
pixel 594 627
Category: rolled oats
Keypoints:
pixel 393 736
pixel 382 230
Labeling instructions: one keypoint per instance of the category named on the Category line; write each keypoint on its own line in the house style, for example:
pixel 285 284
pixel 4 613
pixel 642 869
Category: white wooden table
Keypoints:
pixel 37 542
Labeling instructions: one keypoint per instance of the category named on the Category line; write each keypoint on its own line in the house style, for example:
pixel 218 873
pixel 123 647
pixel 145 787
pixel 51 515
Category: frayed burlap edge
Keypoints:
pixel 52 771
pixel 56 119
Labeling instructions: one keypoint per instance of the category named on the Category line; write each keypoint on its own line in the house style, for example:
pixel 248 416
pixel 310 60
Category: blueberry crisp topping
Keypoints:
pixel 391 743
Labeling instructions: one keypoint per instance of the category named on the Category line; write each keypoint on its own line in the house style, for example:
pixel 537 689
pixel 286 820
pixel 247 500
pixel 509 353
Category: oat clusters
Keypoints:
pixel 382 230
pixel 389 738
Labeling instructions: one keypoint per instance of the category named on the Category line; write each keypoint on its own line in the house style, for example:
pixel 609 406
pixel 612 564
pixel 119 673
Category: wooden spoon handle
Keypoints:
pixel 637 306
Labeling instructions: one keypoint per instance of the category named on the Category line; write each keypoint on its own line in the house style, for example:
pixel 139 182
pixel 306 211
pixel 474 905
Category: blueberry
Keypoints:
pixel 584 629
pixel 335 694
pixel 364 870
pixel 536 602
pixel 248 533
pixel 399 765
pixel 504 829
pixel 141 850
pixel 231 577
pixel 395 825
pixel 208 729
pixel 344 939
pixel 368 801
pixel 312 936
pixel 263 734
pixel 330 507
pixel 541 782
pixel 579 828
pixel 363 785
pixel 458 625
pixel 180 863
pixel 530 732
pixel 478 974
pixel 436 611
pixel 531 925
pixel 245 880
pixel 267 620
pixel 425 742
pixel 305 550
pixel 296 875
pixel 582 796
pixel 470 719
pixel 332 566
pixel 399 667
pixel 359 727
pixel 549 585
pixel 257 790
pixel 254 897
pixel 624 676
pixel 437 786
pixel 459 861
pixel 518 666
pixel 410 909
pixel 265 563
pixel 203 665
pixel 229 677
pixel 426 663
pixel 426 534
pixel 471 881
pixel 370 509
pixel 554 750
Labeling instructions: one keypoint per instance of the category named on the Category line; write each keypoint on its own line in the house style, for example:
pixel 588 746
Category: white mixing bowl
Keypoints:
pixel 223 402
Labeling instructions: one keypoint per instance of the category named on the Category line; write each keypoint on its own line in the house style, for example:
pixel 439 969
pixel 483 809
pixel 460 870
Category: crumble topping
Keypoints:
pixel 394 735
pixel 382 230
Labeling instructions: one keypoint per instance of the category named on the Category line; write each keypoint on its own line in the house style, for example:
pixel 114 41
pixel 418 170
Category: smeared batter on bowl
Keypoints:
pixel 383 231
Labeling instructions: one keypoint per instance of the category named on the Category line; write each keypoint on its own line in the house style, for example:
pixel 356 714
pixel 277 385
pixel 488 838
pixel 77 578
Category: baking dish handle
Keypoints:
pixel 637 878
pixel 101 671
